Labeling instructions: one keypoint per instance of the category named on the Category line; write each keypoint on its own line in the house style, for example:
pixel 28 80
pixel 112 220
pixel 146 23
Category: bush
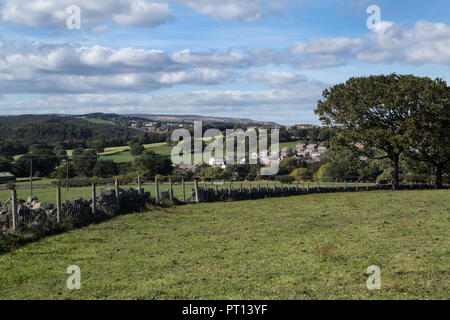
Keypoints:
pixel 302 174
pixel 7 243
pixel 161 178
pixel 10 186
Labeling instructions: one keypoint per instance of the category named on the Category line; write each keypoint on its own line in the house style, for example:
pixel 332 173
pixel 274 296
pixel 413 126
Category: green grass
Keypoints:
pixel 306 247
pixel 100 121
pixel 122 154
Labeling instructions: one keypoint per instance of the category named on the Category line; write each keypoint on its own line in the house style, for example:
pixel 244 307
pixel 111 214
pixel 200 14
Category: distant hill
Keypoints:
pixel 192 118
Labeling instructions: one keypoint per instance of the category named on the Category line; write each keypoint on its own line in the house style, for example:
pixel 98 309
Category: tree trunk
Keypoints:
pixel 438 184
pixel 395 171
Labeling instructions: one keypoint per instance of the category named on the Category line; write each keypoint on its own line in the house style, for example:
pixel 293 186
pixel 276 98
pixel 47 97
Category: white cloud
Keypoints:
pixel 389 42
pixel 325 46
pixel 425 43
pixel 278 79
pixel 144 14
pixel 52 13
pixel 227 9
pixel 212 59
pixel 69 68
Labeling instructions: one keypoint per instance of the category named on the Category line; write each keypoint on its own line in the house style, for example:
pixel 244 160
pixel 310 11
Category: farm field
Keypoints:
pixel 304 247
pixel 112 151
pixel 122 154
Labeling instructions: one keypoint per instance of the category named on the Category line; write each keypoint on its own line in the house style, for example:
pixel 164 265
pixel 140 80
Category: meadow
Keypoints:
pixel 314 246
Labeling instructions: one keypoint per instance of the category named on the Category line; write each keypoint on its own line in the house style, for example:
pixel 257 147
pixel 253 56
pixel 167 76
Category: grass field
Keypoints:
pixel 304 247
pixel 100 121
pixel 122 154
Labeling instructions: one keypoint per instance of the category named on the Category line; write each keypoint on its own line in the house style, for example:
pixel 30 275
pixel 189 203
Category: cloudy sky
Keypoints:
pixel 259 59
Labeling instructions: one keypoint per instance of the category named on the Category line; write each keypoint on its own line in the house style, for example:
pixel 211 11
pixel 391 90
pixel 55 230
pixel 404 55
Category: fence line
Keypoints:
pixel 116 199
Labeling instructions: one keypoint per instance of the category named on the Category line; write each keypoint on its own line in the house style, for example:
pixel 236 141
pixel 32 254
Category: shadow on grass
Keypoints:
pixel 10 242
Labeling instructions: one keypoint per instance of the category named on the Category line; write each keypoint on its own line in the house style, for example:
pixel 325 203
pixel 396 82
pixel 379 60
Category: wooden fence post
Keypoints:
pixel 318 185
pixel 116 188
pixel 357 189
pixel 156 190
pixel 216 190
pixel 58 204
pixel 183 190
pixel 196 191
pixel 170 190
pixel 204 185
pixel 31 176
pixel 15 221
pixel 307 187
pixel 139 184
pixel 345 185
pixel 94 195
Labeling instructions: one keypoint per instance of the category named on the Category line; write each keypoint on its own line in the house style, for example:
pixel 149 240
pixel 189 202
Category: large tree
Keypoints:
pixel 374 114
pixel 429 132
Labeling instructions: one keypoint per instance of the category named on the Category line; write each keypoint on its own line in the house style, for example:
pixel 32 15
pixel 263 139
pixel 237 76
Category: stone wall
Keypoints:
pixel 32 213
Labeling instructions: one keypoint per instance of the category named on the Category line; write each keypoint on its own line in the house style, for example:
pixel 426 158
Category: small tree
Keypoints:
pixel 136 149
pixel 302 174
pixel 105 169
pixel 150 164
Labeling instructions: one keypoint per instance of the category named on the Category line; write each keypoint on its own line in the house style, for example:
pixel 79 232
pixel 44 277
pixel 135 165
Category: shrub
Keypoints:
pixel 10 186
pixel 302 174
pixel 161 178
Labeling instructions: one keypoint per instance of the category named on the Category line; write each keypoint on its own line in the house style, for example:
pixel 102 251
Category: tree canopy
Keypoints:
pixel 376 115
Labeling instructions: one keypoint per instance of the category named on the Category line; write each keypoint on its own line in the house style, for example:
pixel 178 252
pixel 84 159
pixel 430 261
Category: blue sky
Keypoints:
pixel 262 59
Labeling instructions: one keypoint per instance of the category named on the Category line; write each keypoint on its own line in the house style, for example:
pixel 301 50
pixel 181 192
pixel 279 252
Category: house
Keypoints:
pixel 6 177
pixel 213 162
pixel 254 156
pixel 187 167
pixel 303 154
pixel 264 153
pixel 315 155
pixel 321 149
